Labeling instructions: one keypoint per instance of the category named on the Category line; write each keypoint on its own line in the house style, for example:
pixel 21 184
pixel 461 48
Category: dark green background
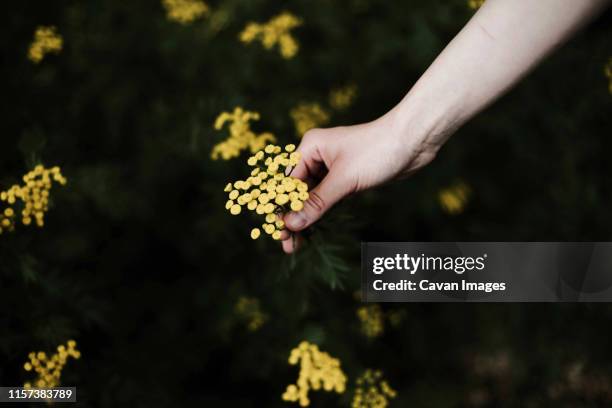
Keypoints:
pixel 142 265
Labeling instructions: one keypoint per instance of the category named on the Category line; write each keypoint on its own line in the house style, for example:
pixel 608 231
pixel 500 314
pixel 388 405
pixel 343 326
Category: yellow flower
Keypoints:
pixel 297 205
pixel 255 232
pixel 342 98
pixel 454 199
pixel 49 369
pixel 475 4
pixel 372 320
pixel 34 194
pixel 307 116
pixel 372 391
pixel 46 40
pixel 241 137
pixel 318 370
pixel 277 31
pixel 249 310
pixel 185 11
pixel 269 199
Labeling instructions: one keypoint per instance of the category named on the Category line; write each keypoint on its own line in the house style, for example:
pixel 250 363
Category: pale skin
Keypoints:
pixel 502 42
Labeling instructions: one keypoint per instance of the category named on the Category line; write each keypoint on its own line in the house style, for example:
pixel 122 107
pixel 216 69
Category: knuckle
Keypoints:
pixel 315 202
pixel 311 135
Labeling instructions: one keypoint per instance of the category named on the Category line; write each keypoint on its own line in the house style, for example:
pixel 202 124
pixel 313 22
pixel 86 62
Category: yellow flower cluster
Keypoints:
pixel 276 31
pixel 46 40
pixel 372 391
pixel 453 199
pixel 317 369
pixel 241 136
pixel 372 320
pixel 250 310
pixel 34 194
pixel 269 191
pixel 475 4
pixel 608 72
pixel 342 98
pixel 307 116
pixel 185 11
pixel 49 369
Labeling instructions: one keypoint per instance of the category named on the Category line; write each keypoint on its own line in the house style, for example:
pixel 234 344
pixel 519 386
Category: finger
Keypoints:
pixel 285 235
pixel 331 189
pixel 311 164
pixel 293 243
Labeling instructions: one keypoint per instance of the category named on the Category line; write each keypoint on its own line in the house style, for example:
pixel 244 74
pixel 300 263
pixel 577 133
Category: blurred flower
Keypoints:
pixel 34 194
pixel 453 199
pixel 249 310
pixel 241 136
pixel 372 320
pixel 49 369
pixel 276 31
pixel 342 98
pixel 307 116
pixel 493 365
pixel 492 372
pixel 475 4
pixel 608 72
pixel 591 389
pixel 317 369
pixel 270 191
pixel 185 11
pixel 478 397
pixel 372 391
pixel 46 40
pixel 219 19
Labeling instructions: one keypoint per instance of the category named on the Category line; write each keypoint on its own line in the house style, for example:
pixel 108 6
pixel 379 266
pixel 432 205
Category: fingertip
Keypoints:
pixel 292 244
pixel 287 246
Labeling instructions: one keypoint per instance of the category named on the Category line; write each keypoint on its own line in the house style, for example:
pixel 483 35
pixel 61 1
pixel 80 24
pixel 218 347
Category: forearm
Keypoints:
pixel 499 45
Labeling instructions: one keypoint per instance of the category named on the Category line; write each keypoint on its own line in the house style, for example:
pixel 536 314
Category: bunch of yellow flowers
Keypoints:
pixel 342 98
pixel 307 116
pixel 317 370
pixel 249 309
pixel 185 11
pixel 372 320
pixel 241 136
pixel 46 40
pixel 34 194
pixel 372 391
pixel 454 199
pixel 49 369
pixel 276 31
pixel 269 191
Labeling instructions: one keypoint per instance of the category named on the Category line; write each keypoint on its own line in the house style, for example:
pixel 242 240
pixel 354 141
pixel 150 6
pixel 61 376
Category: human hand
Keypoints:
pixel 337 162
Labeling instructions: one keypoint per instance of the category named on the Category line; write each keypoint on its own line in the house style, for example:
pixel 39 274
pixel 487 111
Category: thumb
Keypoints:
pixel 327 193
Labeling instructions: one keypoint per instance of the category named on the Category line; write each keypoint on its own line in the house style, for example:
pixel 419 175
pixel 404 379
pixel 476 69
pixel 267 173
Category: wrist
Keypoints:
pixel 417 127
